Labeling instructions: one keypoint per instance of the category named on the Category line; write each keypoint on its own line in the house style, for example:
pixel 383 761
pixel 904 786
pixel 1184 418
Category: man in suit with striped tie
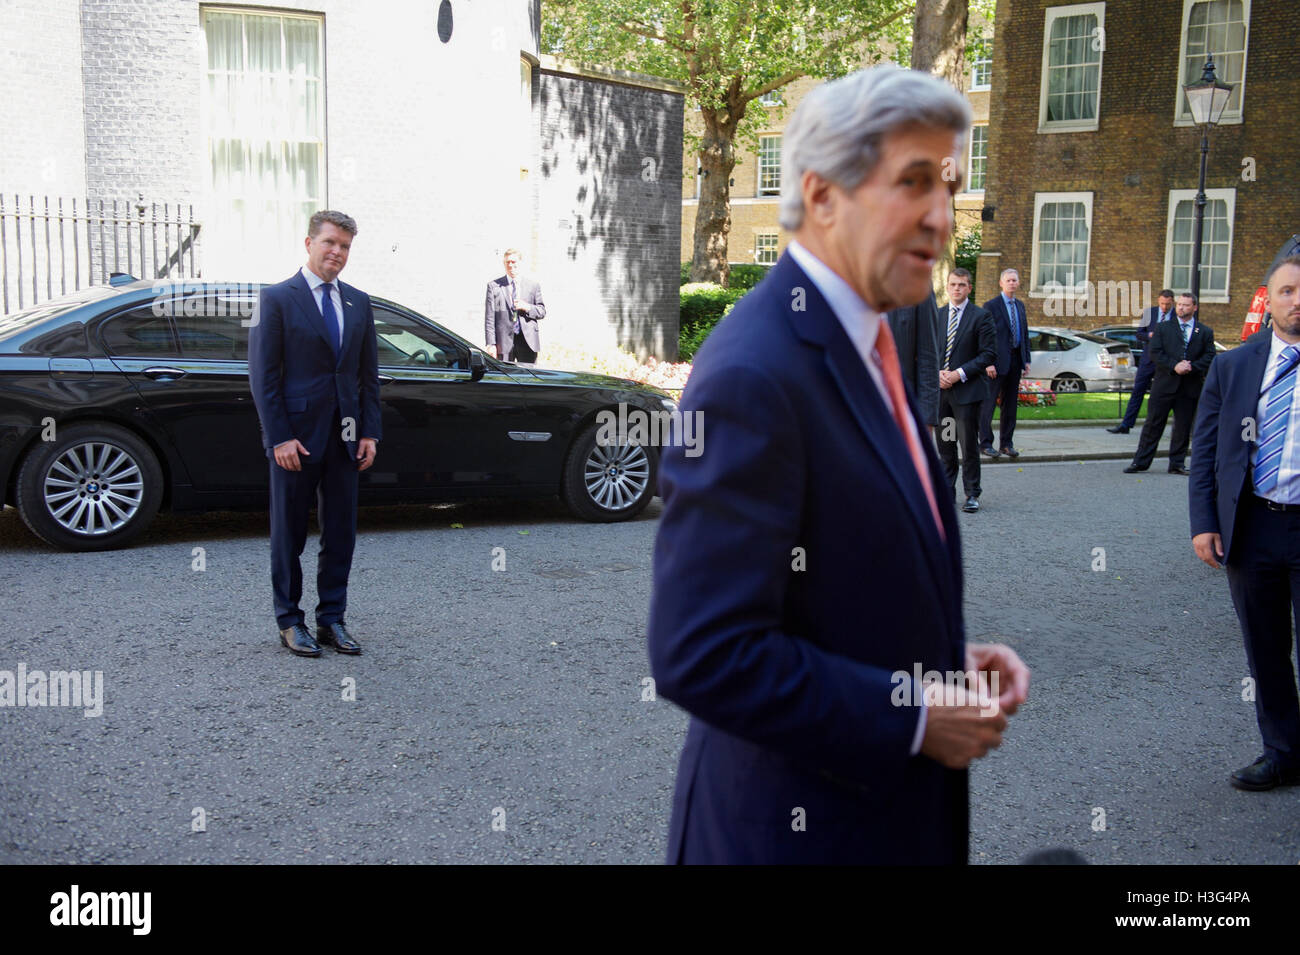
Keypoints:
pixel 1244 499
pixel 968 350
pixel 1011 330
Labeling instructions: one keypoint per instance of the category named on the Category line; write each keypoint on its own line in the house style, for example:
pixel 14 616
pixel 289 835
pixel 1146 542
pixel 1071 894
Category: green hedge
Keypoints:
pixel 703 305
pixel 742 276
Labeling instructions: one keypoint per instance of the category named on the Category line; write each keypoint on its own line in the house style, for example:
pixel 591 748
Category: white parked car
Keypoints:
pixel 1069 360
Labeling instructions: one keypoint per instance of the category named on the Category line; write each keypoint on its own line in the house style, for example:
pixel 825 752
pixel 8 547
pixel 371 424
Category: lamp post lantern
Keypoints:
pixel 1207 100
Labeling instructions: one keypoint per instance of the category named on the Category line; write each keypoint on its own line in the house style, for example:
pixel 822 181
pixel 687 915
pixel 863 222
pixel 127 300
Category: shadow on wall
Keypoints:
pixel 611 168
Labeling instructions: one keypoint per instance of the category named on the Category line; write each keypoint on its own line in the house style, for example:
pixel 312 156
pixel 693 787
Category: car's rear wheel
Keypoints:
pixel 1068 383
pixel 608 483
pixel 94 487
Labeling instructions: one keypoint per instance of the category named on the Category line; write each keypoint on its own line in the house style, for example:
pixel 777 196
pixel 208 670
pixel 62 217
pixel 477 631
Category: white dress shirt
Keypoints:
pixel 314 282
pixel 1287 490
pixel 862 324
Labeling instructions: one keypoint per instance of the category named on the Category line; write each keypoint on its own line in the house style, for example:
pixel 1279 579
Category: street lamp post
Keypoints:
pixel 1207 100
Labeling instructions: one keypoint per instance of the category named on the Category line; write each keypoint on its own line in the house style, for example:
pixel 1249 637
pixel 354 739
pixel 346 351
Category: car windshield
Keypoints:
pixel 13 324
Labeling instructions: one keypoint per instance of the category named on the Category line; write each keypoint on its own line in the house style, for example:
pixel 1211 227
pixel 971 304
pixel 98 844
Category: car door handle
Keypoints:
pixel 385 379
pixel 163 373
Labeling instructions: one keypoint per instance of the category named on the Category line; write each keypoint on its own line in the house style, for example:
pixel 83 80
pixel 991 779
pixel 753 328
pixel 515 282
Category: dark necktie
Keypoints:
pixel 331 317
pixel 514 311
pixel 1015 323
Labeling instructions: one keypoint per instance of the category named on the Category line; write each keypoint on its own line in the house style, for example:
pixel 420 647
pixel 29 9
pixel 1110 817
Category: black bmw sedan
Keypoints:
pixel 122 399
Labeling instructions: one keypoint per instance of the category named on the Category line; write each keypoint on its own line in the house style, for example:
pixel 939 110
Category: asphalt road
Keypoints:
pixel 514 696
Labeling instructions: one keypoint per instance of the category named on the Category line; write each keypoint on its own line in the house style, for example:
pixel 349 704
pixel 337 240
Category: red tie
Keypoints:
pixel 886 356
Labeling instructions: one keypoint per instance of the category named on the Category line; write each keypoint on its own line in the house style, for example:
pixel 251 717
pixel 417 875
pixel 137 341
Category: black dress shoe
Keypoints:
pixel 336 635
pixel 1010 452
pixel 971 506
pixel 1118 429
pixel 991 452
pixel 298 639
pixel 1263 774
pixel 1133 469
pixel 1180 470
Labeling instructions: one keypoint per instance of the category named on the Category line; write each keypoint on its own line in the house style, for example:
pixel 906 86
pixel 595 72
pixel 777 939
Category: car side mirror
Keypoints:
pixel 477 367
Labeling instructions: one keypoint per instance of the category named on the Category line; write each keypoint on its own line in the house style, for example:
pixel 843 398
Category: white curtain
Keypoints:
pixel 266 148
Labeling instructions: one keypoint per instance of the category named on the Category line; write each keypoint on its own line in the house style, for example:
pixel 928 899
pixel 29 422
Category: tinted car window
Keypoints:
pixel 1107 339
pixel 139 334
pixel 1038 341
pixel 1063 344
pixel 407 343
pixel 218 331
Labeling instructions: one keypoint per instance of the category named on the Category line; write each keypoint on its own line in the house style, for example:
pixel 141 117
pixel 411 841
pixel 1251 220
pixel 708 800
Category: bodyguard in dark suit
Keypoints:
pixel 1182 350
pixel 916 336
pixel 512 310
pixel 967 351
pixel 1146 370
pixel 1011 328
pixel 777 620
pixel 314 372
pixel 1244 500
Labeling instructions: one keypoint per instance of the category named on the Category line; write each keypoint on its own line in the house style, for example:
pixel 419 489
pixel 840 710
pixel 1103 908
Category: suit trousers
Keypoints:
pixel 966 420
pixel 1008 386
pixel 1264 578
pixel 1141 382
pixel 1183 404
pixel 521 352
pixel 331 483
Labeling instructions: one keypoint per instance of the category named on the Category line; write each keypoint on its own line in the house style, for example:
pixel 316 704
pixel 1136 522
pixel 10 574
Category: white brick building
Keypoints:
pixel 421 118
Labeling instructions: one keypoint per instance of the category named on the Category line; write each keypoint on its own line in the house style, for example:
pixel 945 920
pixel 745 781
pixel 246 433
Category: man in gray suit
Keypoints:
pixel 916 335
pixel 513 308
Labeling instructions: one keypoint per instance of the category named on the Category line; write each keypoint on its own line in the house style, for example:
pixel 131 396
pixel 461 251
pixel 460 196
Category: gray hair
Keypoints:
pixel 839 128
pixel 344 222
pixel 1005 272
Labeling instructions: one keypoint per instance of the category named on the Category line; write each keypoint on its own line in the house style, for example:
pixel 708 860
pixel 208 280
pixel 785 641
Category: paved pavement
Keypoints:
pixel 1078 441
pixel 517 694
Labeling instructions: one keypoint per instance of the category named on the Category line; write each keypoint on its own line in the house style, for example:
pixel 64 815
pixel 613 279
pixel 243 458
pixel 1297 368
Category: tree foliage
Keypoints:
pixel 726 53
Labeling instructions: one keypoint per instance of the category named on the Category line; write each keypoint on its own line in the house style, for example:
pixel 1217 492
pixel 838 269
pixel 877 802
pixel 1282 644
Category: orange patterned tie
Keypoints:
pixel 886 356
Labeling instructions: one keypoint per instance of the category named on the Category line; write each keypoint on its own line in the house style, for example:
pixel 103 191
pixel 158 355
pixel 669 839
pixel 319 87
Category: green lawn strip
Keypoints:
pixel 1077 407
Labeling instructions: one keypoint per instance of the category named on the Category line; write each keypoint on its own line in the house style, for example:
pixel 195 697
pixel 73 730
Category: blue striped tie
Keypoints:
pixel 1277 417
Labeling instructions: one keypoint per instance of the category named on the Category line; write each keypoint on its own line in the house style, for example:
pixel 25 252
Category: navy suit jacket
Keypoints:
pixel 1167 350
pixel 1002 330
pixel 300 389
pixel 1150 319
pixel 916 334
pixel 972 352
pixel 796 569
pixel 1220 455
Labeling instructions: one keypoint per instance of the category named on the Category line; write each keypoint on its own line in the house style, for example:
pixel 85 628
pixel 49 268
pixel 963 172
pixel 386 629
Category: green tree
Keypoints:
pixel 727 53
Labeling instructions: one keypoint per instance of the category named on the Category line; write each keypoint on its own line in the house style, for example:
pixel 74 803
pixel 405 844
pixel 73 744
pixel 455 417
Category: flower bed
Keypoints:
pixel 1036 394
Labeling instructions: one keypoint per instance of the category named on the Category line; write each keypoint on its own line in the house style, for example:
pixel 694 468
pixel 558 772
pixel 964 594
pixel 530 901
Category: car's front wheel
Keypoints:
pixel 608 482
pixel 94 487
pixel 1068 383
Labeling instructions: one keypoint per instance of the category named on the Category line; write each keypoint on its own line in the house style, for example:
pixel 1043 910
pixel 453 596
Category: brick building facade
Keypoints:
pixel 432 122
pixel 1093 159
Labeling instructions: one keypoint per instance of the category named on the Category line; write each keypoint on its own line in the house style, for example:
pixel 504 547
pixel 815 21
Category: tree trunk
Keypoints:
pixel 713 212
pixel 939 48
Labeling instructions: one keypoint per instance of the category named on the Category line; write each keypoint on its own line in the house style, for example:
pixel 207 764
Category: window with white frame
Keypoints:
pixel 981 72
pixel 1074 38
pixel 1216 242
pixel 771 99
pixel 1062 228
pixel 1221 28
pixel 769 165
pixel 977 164
pixel 264 124
pixel 765 248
